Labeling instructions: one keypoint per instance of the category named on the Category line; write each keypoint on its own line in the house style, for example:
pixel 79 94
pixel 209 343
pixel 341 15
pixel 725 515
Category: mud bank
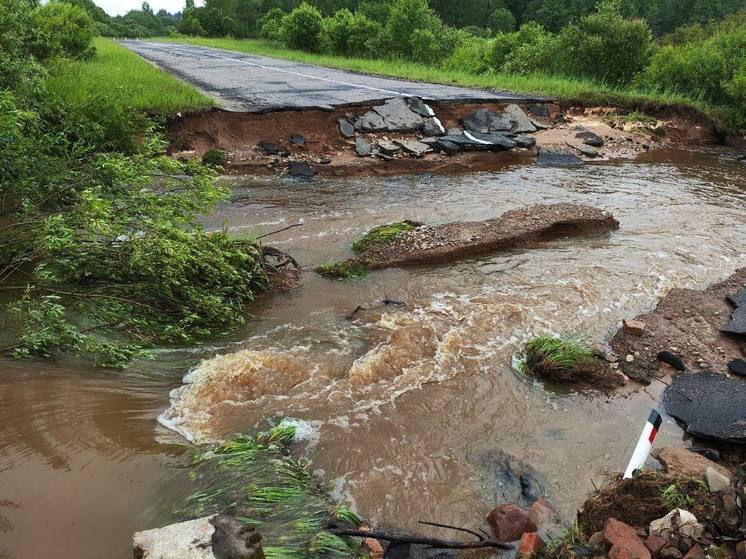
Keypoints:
pixel 442 243
pixel 266 144
pixel 686 323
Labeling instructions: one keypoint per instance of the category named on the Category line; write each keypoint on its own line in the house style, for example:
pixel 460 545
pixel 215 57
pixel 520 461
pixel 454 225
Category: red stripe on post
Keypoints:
pixel 653 433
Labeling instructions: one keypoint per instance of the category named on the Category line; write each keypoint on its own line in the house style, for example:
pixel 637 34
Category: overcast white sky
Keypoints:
pixel 120 7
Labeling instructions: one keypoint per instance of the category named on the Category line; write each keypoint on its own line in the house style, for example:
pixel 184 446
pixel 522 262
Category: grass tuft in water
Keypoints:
pixel 548 356
pixel 382 234
pixel 349 269
pixel 256 480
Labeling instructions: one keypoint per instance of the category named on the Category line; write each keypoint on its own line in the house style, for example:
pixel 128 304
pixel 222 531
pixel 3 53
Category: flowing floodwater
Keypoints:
pixel 413 411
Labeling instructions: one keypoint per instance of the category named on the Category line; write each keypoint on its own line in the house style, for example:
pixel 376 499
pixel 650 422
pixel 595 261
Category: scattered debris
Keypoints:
pixel 709 405
pixel 363 148
pixel 418 149
pixel 634 327
pixel 682 462
pixel 346 128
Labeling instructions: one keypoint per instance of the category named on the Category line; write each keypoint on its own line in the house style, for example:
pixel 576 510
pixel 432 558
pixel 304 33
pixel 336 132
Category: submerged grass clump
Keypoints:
pixel 256 480
pixel 565 359
pixel 382 234
pixel 349 269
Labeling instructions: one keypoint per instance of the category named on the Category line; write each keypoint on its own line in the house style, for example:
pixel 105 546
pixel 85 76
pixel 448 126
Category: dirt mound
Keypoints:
pixel 450 241
pixel 641 500
pixel 686 322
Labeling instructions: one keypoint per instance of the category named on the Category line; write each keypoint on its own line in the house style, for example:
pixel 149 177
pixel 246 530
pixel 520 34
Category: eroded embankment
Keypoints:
pixel 442 243
pixel 310 142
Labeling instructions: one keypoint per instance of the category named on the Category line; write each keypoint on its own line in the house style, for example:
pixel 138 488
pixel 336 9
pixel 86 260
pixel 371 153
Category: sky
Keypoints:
pixel 120 7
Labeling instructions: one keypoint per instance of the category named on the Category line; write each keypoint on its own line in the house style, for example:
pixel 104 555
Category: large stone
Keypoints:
pixel 521 123
pixel 716 480
pixel 531 544
pixel 510 522
pixel 398 117
pixel 737 324
pixel 655 543
pixel 346 128
pixel 485 121
pixel 211 537
pixel 709 405
pixel 418 149
pixel 682 462
pixel 624 540
pixel 363 148
pixel 557 157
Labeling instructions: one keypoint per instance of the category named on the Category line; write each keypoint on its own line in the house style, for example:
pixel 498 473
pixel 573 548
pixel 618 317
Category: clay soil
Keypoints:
pixel 331 154
pixel 686 322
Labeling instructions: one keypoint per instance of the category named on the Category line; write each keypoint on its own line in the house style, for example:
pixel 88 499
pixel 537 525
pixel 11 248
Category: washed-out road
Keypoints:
pixel 250 83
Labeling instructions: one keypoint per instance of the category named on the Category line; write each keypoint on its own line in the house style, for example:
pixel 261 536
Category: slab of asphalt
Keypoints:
pixel 249 83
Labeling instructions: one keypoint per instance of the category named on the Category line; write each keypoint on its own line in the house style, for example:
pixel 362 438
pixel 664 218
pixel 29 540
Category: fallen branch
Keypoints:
pixel 481 542
pixel 284 257
pixel 280 230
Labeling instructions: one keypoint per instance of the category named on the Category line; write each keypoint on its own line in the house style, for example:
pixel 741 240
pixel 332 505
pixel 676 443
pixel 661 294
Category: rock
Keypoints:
pixel 447 147
pixel 709 453
pixel 388 148
pixel 433 127
pixel 346 128
pixel 301 169
pixel 709 405
pixel 485 121
pixel 268 148
pixel 738 299
pixel 696 552
pixel 510 522
pixel 737 367
pixel 531 544
pixel 511 480
pixel 728 515
pixel 670 552
pixel 465 143
pixel 589 138
pixel 557 157
pixel 297 139
pixel 212 537
pixel 737 324
pixel 542 513
pixel 495 139
pixel 584 149
pixel 655 543
pixel 716 480
pixel 624 540
pixel 682 462
pixel 677 523
pixel 235 540
pixel 373 547
pixel 418 106
pixel 634 327
pixel 370 122
pixel 525 142
pixel 380 155
pixel 630 358
pixel 363 148
pixel 418 149
pixel 741 550
pixel 521 122
pixel 398 117
pixel 672 359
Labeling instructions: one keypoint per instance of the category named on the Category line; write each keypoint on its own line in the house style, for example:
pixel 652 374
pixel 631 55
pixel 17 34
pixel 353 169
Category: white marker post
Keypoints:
pixel 645 444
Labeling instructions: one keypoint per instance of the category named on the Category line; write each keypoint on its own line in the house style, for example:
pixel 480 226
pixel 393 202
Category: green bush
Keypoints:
pixel 606 47
pixel 529 49
pixel 412 30
pixel 350 34
pixel 502 20
pixel 301 28
pixel 270 25
pixel 472 56
pixel 61 29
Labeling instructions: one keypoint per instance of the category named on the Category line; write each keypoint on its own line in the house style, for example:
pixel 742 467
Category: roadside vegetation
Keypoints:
pixel 101 253
pixel 636 55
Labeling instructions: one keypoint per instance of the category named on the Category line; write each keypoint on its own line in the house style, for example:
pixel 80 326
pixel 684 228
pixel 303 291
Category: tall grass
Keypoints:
pixel 121 76
pixel 583 91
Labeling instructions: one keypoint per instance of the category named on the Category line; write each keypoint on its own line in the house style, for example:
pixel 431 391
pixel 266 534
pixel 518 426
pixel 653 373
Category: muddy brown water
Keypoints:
pixel 405 410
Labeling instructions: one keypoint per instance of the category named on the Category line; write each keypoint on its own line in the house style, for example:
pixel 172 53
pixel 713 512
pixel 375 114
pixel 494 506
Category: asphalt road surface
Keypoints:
pixel 245 82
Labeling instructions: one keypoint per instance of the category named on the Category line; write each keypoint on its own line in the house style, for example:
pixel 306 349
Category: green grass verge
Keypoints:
pixel 382 234
pixel 122 76
pixel 256 480
pixel 574 90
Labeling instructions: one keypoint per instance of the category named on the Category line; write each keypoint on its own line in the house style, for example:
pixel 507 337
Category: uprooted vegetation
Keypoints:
pixel 256 480
pixel 383 234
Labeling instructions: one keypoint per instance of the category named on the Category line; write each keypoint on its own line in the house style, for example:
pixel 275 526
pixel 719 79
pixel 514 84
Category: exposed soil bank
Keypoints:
pixel 687 323
pixel 331 154
pixel 441 243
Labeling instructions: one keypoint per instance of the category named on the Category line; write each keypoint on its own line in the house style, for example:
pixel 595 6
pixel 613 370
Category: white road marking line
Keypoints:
pixel 275 69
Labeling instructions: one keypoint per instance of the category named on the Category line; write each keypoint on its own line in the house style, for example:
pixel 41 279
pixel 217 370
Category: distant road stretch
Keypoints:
pixel 245 82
